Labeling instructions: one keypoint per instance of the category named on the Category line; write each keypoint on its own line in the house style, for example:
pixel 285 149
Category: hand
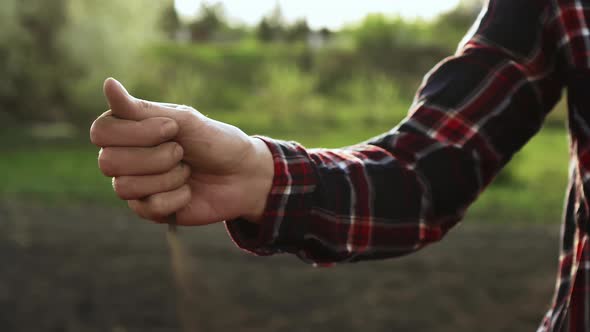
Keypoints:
pixel 169 160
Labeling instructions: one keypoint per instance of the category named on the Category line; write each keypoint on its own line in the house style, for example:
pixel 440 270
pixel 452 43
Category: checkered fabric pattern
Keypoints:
pixel 406 188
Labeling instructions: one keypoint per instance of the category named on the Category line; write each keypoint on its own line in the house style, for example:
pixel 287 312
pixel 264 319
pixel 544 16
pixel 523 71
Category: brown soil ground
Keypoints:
pixel 100 269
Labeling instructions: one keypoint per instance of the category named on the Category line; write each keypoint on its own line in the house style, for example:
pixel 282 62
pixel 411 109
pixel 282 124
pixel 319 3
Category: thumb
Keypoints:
pixel 125 106
pixel 122 104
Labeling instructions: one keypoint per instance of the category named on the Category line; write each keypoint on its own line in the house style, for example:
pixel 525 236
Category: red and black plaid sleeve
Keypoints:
pixel 406 188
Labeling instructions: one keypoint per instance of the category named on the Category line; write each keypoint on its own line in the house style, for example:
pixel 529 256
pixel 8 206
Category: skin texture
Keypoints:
pixel 172 163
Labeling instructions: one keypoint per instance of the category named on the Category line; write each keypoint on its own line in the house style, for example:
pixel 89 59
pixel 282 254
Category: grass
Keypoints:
pixel 54 174
pixel 529 190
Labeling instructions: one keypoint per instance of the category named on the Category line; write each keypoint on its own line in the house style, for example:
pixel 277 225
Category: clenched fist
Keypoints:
pixel 169 161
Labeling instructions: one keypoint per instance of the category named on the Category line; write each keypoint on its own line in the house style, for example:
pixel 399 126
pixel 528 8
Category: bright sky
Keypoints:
pixel 322 13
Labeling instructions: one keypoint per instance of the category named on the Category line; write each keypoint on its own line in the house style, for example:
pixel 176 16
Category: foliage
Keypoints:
pixel 169 21
pixel 54 55
pixel 299 31
pixel 57 52
pixel 33 66
pixel 380 99
pixel 407 47
pixel 104 39
pixel 209 22
pixel 271 27
pixel 285 98
pixel 450 27
pixel 274 28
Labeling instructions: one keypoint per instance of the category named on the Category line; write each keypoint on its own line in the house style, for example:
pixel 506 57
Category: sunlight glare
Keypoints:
pixel 326 13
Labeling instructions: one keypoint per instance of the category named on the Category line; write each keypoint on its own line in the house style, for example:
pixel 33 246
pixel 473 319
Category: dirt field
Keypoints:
pixel 100 269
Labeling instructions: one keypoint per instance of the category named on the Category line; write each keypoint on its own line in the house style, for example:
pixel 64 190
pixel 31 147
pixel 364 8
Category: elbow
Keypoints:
pixel 450 183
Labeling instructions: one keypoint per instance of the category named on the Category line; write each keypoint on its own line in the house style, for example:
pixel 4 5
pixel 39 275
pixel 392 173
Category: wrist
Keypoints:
pixel 259 178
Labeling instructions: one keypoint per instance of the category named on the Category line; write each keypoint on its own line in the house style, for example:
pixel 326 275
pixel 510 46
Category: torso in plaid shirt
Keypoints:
pixel 406 188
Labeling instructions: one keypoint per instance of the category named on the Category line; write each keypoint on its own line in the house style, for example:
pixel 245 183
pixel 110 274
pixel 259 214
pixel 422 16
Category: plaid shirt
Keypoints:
pixel 406 188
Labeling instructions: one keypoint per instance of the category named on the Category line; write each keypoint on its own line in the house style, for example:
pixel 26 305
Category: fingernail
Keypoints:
pixel 169 128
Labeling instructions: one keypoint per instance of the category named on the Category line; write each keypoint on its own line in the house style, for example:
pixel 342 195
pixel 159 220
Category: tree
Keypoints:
pixel 326 33
pixel 208 23
pixel 264 31
pixel 33 67
pixel 451 26
pixel 169 21
pixel 272 27
pixel 298 31
pixel 54 54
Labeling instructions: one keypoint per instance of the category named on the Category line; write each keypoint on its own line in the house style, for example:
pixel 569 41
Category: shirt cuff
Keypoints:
pixel 285 216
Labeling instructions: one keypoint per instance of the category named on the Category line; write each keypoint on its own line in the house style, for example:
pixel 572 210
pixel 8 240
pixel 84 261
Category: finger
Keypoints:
pixel 125 106
pixel 137 187
pixel 159 206
pixel 111 131
pixel 125 161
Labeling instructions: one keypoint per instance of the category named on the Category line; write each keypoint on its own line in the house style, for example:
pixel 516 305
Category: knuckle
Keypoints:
pixel 182 174
pixel 190 116
pixel 156 207
pixel 169 181
pixel 184 115
pixel 174 151
pixel 167 128
pixel 105 162
pixel 186 171
pixel 96 133
pixel 124 187
pixel 144 104
pixel 175 178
